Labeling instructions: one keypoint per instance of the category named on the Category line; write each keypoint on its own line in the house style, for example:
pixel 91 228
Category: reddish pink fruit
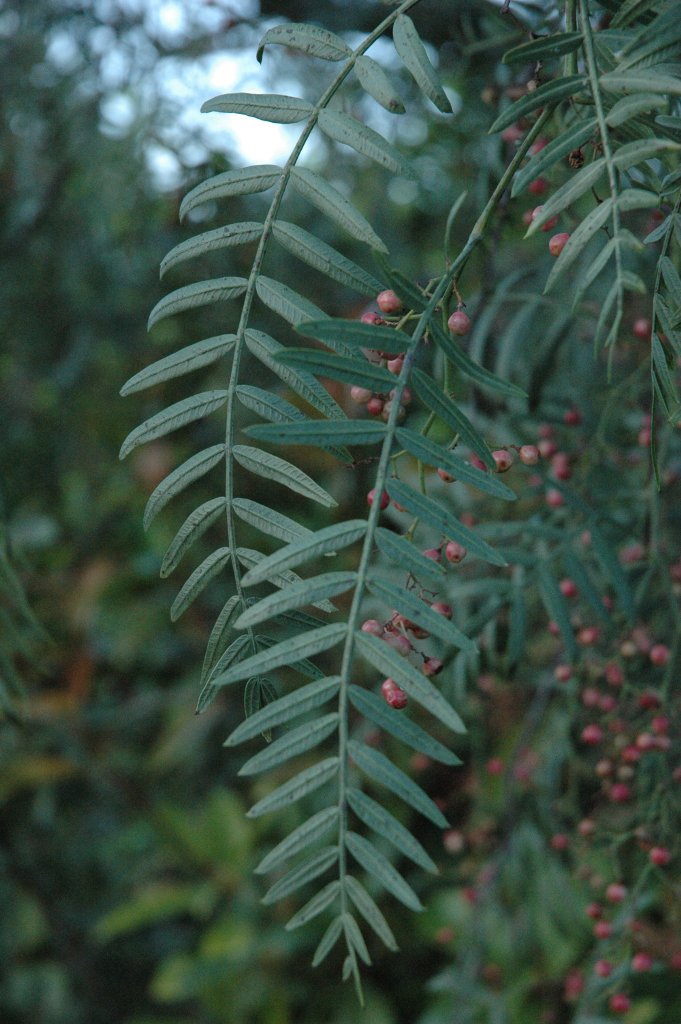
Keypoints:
pixel 572 418
pixel 586 827
pixel 432 666
pixel 455 552
pixel 385 499
pixel 659 654
pixel 642 328
pixel 547 447
pixel 400 643
pixel 594 911
pixel 592 734
pixel 560 841
pixel 397 700
pixel 554 499
pixel 503 460
pixel 562 673
pixel 560 466
pixel 432 553
pixel 558 242
pixel 573 985
pixel 513 133
pixel 614 674
pixel 660 856
pixel 660 725
pixel 371 318
pixel 444 475
pixel 603 968
pixel 388 302
pixel 616 892
pixel 459 323
pixel 360 395
pixel 568 588
pixel 588 635
pixel 373 626
pixel 619 1003
pixel 602 929
pixel 620 793
pixel 641 962
pixel 442 609
pixel 538 187
pixel 375 406
pixel 537 146
pixel 529 455
pixel 495 766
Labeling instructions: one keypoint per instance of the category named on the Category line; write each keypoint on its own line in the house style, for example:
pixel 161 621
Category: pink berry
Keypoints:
pixel 558 242
pixel 395 365
pixel 397 699
pixel 385 499
pixel 660 725
pixel 375 406
pixel 455 552
pixel 360 395
pixel 537 146
pixel 562 673
pixel 620 793
pixel 444 475
pixel 603 968
pixel 432 666
pixel 559 841
pixel 592 734
pixel 399 643
pixel 554 498
pixel 568 588
pixel 547 447
pixel 619 1003
pixel 432 553
pixel 588 635
pixel 586 827
pixel 513 133
pixel 503 460
pixel 660 856
pixel 659 654
pixel 388 302
pixel 572 418
pixel 442 609
pixel 642 328
pixel 459 323
pixel 616 892
pixel 538 187
pixel 560 466
pixel 529 455
pixel 372 626
pixel 371 318
pixel 614 674
pixel 641 962
pixel 594 911
pixel 602 929
pixel 495 766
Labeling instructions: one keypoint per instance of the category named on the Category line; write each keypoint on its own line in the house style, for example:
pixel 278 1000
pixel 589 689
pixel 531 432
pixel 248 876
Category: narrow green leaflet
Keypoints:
pixel 370 912
pixel 278 470
pixel 563 197
pixel 285 579
pixel 258 692
pixel 379 769
pixel 441 518
pixel 672 280
pixel 415 684
pixel 408 603
pixel 310 39
pixel 334 204
pixel 588 590
pixel 175 416
pixel 291 744
pixel 388 827
pixel 400 726
pixel 211 241
pixel 198 581
pixel 355 939
pixel 641 81
pixel 324 258
pixel 374 80
pixel 376 864
pixel 233 653
pixel 408 557
pixel 544 48
pixel 438 402
pixel 301 874
pixel 273 407
pixel 274 524
pixel 577 241
pixel 548 94
pixel 433 454
pixel 364 140
pixel 194 526
pixel 268 405
pixel 288 652
pixel 557 608
pixel 186 360
pixel 296 788
pixel 356 334
pixel 194 468
pixel 265 106
pixel 283 300
pixel 267 350
pixel 640 150
pixel 414 57
pixel 337 367
pixel 320 433
pixel 219 634
pixel 297 595
pixel 315 906
pixel 241 182
pixel 632 106
pixel 328 940
pixel 202 293
pixel 303 699
pixel 328 539
pixel 565 142
pixel 309 832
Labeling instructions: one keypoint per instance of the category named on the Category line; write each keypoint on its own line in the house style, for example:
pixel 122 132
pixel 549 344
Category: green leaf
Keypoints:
pixel 399 725
pixel 194 526
pixel 232 654
pixel 388 827
pixel 399 550
pixel 641 81
pixel 564 143
pixel 442 520
pixel 285 579
pixel 285 301
pixel 671 279
pixel 278 470
pixel 374 80
pixel 577 185
pixel 320 433
pixel 244 181
pixel 315 906
pixel 337 367
pixel 557 608
pixel 355 939
pixel 544 48
pixel 175 416
pixel 194 468
pixel 198 581
pixel 276 409
pixel 310 39
pixel 370 912
pixel 438 402
pixel 412 297
pixel 632 106
pixel 297 595
pixel 328 940
pixel 271 107
pixel 324 258
pixel 432 454
pixel 188 359
pixel 409 603
pixel 379 769
pixel 364 140
pixel 265 519
pixel 202 293
pixel 334 204
pixel 219 633
pixel 414 57
pixel 300 785
pixel 328 539
pixel 548 94
pixel 291 744
pixel 354 333
pixel 257 693
pixel 267 350
pixel 640 150
pixel 301 874
pixel 376 864
pixel 211 241
pixel 288 652
pixel 415 684
pixel 578 240
pixel 303 699
pixel 588 591
pixel 309 832
pixel 613 570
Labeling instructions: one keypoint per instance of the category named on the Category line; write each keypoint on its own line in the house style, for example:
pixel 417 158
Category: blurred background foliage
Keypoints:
pixel 126 885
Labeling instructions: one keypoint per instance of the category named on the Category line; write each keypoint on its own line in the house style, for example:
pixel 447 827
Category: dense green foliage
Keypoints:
pixel 550 756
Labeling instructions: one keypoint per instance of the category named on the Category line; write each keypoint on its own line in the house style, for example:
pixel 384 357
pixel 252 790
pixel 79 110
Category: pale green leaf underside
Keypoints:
pixel 244 181
pixel 202 293
pixel 273 468
pixel 219 634
pixel 370 912
pixel 364 140
pixel 320 433
pixel 284 579
pixel 194 526
pixel 465 364
pixel 291 744
pixel 267 350
pixel 379 769
pixel 309 39
pixel 355 939
pixel 324 258
pixel 173 418
pixel 296 788
pixel 285 301
pixel 198 581
pixel 399 725
pixel 633 81
pixel 408 603
pixel 328 539
pixel 388 827
pixel 298 702
pixel 328 940
pixel 374 80
pixel 186 360
pixel 194 468
pixel 579 238
pixel 357 334
pixel 211 241
pixel 544 48
pixel 549 93
pixel 272 107
pixel 266 520
pixel 414 57
pixel 209 692
pixel 287 652
pixel 309 832
pixel 315 906
pixel 409 558
pixel 337 367
pixel 376 864
pixel 301 874
pixel 443 407
pixel 433 454
pixel 297 595
pixel 334 204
